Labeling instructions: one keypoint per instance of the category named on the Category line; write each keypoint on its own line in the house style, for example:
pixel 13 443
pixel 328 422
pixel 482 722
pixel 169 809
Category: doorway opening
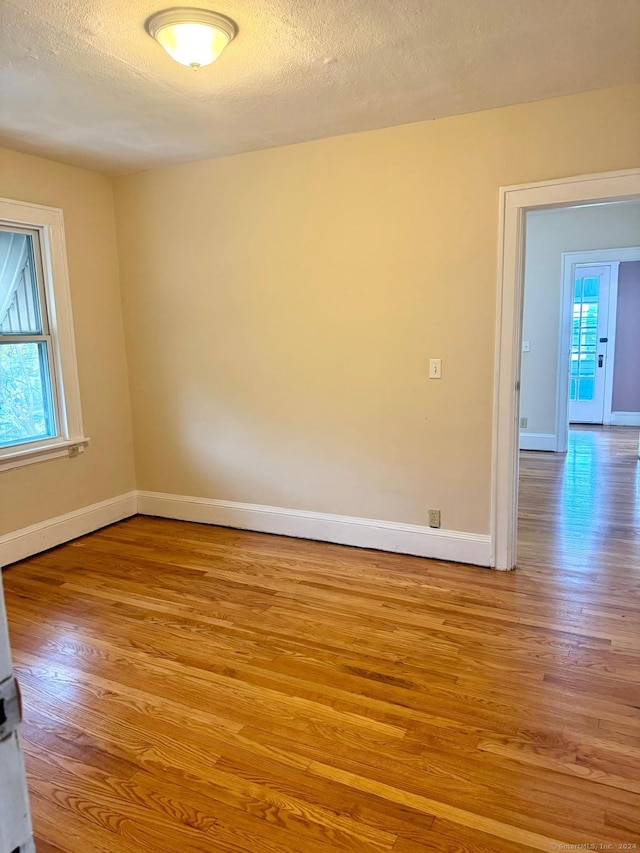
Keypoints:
pixel 516 203
pixel 569 505
pixel 570 363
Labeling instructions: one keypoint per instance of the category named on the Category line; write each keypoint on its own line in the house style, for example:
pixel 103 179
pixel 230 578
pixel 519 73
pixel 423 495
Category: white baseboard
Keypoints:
pixel 54 531
pixel 392 536
pixel 538 441
pixel 625 419
pixel 459 547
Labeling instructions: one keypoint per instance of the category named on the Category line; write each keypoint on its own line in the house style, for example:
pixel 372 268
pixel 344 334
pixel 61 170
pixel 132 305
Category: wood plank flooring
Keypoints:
pixel 190 688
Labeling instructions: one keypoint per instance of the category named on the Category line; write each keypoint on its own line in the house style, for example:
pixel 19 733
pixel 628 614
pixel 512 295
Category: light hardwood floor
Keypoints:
pixel 190 688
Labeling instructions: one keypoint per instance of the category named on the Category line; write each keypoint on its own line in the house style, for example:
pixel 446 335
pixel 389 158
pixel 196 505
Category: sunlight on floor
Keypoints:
pixel 582 508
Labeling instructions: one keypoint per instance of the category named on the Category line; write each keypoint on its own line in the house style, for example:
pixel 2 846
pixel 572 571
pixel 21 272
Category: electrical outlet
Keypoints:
pixel 523 423
pixel 434 518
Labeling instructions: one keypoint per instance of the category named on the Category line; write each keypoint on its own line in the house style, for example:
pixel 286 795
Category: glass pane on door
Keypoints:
pixel 584 338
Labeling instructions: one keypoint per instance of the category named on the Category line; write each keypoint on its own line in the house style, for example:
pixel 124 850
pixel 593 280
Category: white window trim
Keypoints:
pixel 49 222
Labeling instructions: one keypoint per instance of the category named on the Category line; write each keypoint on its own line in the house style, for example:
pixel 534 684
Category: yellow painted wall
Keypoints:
pixel 281 308
pixel 37 492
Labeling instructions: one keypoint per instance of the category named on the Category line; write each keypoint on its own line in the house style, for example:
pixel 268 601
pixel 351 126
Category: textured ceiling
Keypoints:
pixel 81 81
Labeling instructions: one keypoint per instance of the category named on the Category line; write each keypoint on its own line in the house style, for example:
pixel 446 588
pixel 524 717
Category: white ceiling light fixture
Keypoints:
pixel 193 37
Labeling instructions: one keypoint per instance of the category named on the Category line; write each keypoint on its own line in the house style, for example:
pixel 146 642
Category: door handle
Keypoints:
pixel 600 359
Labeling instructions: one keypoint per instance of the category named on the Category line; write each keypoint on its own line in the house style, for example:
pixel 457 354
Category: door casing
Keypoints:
pixel 515 201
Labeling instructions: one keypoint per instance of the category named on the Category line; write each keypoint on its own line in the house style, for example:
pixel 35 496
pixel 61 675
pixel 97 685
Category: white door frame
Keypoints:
pixel 514 203
pixel 15 820
pixel 570 260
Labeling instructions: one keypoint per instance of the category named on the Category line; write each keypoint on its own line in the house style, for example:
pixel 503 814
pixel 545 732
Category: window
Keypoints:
pixel 40 414
pixel 27 386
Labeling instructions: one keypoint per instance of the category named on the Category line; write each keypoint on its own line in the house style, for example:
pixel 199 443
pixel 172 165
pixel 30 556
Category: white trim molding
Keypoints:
pixel 391 536
pixel 514 203
pixel 54 531
pixel 48 222
pixel 396 537
pixel 538 441
pixel 631 419
pixel 43 453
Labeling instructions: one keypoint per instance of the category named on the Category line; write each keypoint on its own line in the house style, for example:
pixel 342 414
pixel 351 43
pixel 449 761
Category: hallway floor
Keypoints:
pixel 579 512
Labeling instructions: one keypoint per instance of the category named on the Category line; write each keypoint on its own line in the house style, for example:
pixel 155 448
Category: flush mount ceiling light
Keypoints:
pixel 193 37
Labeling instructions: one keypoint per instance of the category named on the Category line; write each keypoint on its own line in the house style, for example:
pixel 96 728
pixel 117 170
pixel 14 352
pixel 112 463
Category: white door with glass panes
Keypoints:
pixel 589 339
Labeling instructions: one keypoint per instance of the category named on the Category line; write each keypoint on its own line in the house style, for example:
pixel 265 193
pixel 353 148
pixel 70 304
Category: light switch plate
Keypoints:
pixel 435 368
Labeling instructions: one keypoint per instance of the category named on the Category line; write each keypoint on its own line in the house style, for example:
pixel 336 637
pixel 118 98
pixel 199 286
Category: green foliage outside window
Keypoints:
pixel 23 409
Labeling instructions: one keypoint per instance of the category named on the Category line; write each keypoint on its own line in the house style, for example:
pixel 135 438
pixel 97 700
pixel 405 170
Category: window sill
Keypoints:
pixel 42 453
